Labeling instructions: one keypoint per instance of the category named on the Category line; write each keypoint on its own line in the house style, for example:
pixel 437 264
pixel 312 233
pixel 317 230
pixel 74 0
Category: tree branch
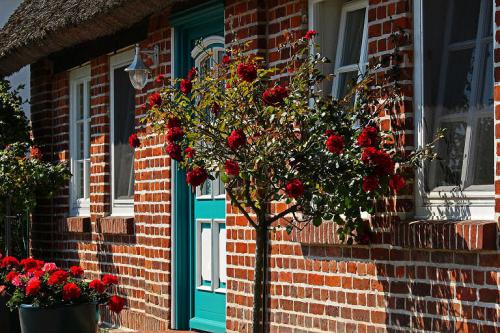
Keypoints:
pixel 240 207
pixel 284 213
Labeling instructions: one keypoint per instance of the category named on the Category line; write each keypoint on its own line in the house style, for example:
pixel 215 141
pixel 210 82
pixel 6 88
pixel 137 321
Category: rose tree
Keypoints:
pixel 288 141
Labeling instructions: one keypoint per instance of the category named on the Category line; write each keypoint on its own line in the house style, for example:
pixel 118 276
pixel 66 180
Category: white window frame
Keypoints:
pixel 119 207
pixel 442 203
pixel 215 227
pixel 363 55
pixel 81 75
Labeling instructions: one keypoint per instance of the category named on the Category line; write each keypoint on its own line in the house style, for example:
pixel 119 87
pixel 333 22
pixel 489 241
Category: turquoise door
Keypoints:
pixel 200 230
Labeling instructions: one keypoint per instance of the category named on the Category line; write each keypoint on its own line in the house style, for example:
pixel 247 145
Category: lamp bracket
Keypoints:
pixel 153 53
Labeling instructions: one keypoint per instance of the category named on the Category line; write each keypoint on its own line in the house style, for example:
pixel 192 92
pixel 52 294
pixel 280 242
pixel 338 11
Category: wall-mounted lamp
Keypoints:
pixel 138 71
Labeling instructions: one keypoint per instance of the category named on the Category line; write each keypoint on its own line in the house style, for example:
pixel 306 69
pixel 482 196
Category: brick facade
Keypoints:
pixel 416 276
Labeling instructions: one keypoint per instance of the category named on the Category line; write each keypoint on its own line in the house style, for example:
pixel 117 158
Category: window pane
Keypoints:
pixel 80 140
pixel 345 82
pixel 206 254
pixel 458 86
pixel 465 17
pixel 80 106
pixel 123 127
pixel 483 166
pixel 222 256
pixel 87 179
pixel 353 37
pixel 79 179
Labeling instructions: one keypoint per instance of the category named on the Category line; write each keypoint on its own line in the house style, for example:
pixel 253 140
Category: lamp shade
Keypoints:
pixel 137 71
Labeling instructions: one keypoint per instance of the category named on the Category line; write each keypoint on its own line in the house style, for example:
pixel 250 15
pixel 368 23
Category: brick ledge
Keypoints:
pixel 116 225
pixel 77 224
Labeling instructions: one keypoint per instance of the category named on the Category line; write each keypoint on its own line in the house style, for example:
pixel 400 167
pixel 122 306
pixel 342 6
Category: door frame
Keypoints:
pixel 182 200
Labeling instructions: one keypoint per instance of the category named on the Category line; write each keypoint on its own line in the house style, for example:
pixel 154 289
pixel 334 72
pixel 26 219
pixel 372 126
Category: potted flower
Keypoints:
pixel 9 320
pixel 58 300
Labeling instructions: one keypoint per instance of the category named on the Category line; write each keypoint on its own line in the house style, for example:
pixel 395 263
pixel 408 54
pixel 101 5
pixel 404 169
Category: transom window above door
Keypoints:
pixel 342 35
pixel 454 84
pixel 80 141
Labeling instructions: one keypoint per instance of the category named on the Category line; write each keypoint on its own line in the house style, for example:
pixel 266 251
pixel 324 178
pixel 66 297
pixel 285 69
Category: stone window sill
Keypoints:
pixel 116 225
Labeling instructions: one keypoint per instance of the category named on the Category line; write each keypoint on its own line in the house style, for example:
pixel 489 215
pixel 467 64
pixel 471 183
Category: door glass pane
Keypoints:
pixel 206 254
pixel 484 146
pixel 222 256
pixel 353 37
pixel 123 127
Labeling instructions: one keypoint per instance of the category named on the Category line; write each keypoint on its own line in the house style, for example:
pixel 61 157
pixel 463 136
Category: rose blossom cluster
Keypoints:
pixel 32 281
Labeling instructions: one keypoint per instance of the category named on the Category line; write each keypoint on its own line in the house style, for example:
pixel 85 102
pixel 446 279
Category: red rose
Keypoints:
pixel 116 304
pixel 174 134
pixel 370 183
pixel 294 188
pixel 190 152
pixel 275 96
pixel 98 286
pixel 247 72
pixel 329 132
pixel 397 183
pixel 11 276
pixel 310 34
pixel 155 99
pixel 36 153
pixel 76 271
pixel 71 291
pixel 109 279
pixel 226 60
pixel 368 137
pixel 186 86
pixel 133 141
pixel 335 144
pixel 236 139
pixel 9 261
pixel 174 151
pixel 192 73
pixel 173 122
pixel 232 168
pixel 196 176
pixel 380 161
pixel 58 277
pixel 160 78
pixel 33 287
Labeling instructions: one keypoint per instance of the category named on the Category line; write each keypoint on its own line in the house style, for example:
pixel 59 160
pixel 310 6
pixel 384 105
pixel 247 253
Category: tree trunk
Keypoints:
pixel 260 270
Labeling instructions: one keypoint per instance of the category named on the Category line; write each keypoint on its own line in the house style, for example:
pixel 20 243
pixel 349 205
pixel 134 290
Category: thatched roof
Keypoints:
pixel 41 27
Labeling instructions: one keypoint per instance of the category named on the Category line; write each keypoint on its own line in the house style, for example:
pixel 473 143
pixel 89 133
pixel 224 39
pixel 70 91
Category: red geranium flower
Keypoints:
pixel 192 73
pixel 370 183
pixel 9 261
pixel 36 153
pixel 160 78
pixel 236 139
pixel 232 168
pixel 58 277
pixel 33 287
pixel 76 271
pixel 173 122
pixel 196 176
pixel 174 134
pixel 11 276
pixel 49 267
pixel 98 286
pixel 71 291
pixel 190 152
pixel 174 151
pixel 116 303
pixel 397 183
pixel 133 141
pixel 275 96
pixel 310 34
pixel 294 188
pixel 368 137
pixel 30 264
pixel 186 86
pixel 247 72
pixel 380 161
pixel 155 99
pixel 335 144
pixel 109 279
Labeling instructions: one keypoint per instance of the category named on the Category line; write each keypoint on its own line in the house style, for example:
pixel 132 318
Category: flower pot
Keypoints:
pixel 9 320
pixel 80 318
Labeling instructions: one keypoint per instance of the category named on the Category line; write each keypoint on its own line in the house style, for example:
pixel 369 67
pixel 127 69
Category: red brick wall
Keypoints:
pixel 136 250
pixel 416 276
